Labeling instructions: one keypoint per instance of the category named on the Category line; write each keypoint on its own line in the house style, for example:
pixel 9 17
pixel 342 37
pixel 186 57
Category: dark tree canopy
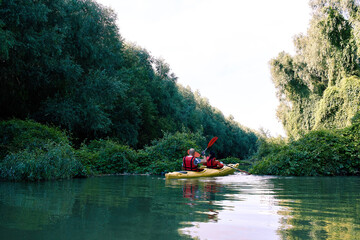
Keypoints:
pixel 64 62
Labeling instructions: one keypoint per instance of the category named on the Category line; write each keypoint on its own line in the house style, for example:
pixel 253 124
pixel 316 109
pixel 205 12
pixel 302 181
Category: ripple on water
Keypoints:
pixel 148 207
pixel 283 208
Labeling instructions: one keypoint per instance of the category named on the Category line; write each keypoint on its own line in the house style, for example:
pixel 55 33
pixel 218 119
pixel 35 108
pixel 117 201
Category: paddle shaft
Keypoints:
pixel 212 141
pixel 238 169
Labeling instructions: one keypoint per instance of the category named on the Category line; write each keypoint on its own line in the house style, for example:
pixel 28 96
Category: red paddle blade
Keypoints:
pixel 212 141
pixel 195 155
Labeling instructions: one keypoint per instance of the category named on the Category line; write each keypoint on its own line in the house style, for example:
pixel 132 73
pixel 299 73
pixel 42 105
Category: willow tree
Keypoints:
pixel 325 56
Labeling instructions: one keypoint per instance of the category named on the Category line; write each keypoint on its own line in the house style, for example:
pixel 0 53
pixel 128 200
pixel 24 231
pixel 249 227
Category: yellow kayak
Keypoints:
pixel 207 172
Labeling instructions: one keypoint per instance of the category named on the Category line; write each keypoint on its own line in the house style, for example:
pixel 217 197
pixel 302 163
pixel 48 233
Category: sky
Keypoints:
pixel 220 47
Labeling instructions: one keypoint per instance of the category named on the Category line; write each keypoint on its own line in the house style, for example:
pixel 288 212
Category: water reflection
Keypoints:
pixel 201 195
pixel 133 207
pixel 239 207
pixel 284 208
pixel 191 191
pixel 195 190
pixel 319 208
pixel 29 207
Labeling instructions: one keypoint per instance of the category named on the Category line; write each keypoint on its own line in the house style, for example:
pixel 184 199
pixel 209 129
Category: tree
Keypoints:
pixel 326 55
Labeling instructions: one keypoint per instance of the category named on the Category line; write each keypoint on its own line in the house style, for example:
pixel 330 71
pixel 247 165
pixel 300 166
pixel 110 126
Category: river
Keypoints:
pixel 150 207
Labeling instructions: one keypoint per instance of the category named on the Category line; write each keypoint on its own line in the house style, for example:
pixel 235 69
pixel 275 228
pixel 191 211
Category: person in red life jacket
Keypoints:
pixel 191 163
pixel 211 161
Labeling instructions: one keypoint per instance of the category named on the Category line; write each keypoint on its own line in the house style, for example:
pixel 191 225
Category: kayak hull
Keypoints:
pixel 207 172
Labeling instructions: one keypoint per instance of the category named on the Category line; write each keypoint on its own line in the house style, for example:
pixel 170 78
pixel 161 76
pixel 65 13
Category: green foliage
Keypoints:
pixel 318 87
pixel 85 110
pixel 51 161
pixel 65 63
pixel 268 145
pixel 107 157
pixel 318 153
pixel 243 164
pixel 229 160
pixel 339 104
pixel 328 108
pixel 33 152
pixel 165 154
pixel 17 135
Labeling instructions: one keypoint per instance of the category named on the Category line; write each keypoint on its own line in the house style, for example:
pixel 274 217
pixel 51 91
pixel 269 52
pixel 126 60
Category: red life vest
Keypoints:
pixel 212 163
pixel 188 164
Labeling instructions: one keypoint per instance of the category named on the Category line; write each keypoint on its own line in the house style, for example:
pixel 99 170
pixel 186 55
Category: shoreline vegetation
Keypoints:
pixel 331 152
pixel 77 100
pixel 31 151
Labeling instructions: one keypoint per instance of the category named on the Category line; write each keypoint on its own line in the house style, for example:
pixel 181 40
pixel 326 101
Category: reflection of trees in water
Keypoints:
pixel 27 206
pixel 319 208
pixel 109 207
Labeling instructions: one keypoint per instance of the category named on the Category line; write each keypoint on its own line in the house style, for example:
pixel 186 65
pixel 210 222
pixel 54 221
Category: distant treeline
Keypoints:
pixel 64 63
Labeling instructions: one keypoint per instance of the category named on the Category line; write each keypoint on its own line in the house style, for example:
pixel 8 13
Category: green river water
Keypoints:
pixel 150 207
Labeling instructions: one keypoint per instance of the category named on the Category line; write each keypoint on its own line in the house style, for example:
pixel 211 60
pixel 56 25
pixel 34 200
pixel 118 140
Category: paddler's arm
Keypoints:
pixel 203 160
pixel 200 161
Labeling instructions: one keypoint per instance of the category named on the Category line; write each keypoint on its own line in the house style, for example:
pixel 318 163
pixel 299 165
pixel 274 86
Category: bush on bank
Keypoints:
pixel 243 164
pixel 17 135
pixel 107 157
pixel 50 161
pixel 318 153
pixel 33 152
pixel 165 154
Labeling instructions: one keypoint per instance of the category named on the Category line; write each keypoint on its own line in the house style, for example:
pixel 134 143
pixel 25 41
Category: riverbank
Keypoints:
pixel 30 151
pixel 327 152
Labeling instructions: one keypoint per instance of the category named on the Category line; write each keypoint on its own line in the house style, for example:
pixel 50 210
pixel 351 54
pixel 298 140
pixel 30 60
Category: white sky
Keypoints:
pixel 220 47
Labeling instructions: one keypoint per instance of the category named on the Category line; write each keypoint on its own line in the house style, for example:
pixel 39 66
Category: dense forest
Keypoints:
pixel 319 93
pixel 75 95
